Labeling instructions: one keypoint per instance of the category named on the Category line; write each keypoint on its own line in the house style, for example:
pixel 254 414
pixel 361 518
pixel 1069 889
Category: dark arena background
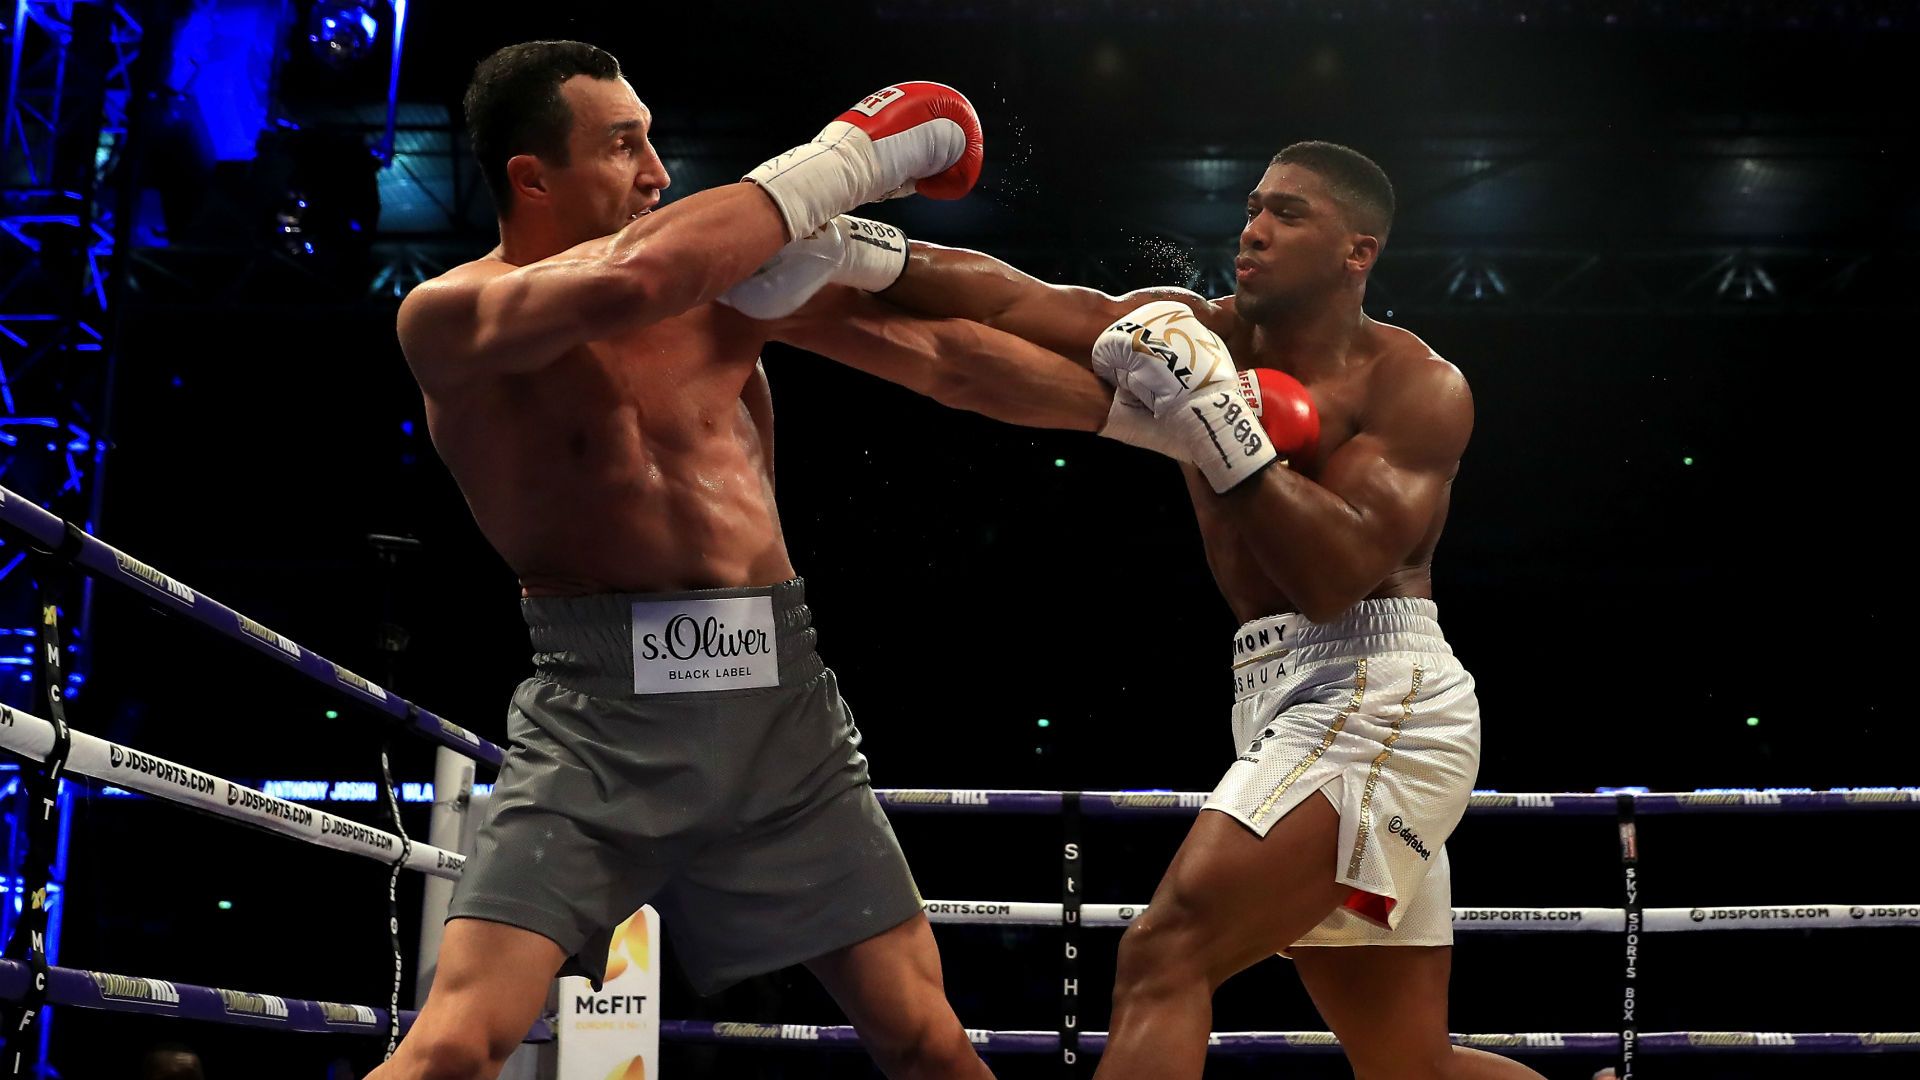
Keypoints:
pixel 1674 247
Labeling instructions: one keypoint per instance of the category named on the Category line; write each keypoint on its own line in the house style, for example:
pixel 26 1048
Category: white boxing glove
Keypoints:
pixel 1134 424
pixel 1161 353
pixel 869 255
pixel 1177 392
pixel 910 137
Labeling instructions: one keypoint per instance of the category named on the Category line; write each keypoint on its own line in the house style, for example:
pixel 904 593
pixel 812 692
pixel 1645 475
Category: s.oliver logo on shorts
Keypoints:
pixel 688 646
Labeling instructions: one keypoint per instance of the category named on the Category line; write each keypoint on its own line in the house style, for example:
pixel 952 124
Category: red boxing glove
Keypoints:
pixel 1285 410
pixel 902 119
pixel 910 137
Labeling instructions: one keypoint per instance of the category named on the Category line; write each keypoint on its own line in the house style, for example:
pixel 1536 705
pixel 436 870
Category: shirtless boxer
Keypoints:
pixel 681 742
pixel 1320 530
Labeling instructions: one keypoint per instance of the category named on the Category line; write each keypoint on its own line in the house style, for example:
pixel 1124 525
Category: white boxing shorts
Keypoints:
pixel 1372 711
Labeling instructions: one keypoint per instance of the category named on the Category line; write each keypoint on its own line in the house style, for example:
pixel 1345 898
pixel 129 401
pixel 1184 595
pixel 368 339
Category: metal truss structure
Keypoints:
pixel 69 90
pixel 68 95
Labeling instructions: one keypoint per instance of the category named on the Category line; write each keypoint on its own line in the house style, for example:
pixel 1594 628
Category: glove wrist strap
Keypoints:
pixel 876 254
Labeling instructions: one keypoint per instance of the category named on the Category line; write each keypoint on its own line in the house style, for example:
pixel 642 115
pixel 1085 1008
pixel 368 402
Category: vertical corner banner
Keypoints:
pixel 614 1033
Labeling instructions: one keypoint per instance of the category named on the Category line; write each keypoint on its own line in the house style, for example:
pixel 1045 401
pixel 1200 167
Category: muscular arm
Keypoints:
pixel 958 363
pixel 1327 545
pixel 490 318
pixel 957 283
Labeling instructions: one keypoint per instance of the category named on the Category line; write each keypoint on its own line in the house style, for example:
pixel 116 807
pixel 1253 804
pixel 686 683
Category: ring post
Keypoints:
pixel 1073 1060
pixel 447 828
pixel 1632 928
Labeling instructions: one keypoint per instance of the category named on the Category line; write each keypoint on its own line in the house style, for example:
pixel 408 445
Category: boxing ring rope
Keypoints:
pixel 35 738
pixel 69 542
pixel 57 746
pixel 122 766
pixel 131 994
pixel 1491 920
pixel 1264 1043
pixel 1574 804
pixel 32 736
pixel 1072 913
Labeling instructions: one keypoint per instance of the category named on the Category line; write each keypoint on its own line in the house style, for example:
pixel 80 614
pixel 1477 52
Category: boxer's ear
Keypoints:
pixel 1362 252
pixel 527 177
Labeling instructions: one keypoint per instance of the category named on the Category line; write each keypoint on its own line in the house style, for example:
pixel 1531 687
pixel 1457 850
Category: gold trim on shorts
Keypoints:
pixel 1373 775
pixel 1333 731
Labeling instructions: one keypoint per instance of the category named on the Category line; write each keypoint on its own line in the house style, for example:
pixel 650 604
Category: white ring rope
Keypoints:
pixel 1505 920
pixel 122 766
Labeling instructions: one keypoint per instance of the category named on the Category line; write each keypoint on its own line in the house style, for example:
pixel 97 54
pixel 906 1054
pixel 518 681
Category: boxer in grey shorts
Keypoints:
pixel 741 812
pixel 611 427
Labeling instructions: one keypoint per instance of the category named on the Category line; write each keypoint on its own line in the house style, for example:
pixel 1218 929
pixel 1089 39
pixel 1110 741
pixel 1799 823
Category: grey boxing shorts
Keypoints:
pixel 691 751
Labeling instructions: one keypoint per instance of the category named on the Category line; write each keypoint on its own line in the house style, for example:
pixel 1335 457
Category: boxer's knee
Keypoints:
pixel 1388 1059
pixel 448 1055
pixel 925 1048
pixel 1165 952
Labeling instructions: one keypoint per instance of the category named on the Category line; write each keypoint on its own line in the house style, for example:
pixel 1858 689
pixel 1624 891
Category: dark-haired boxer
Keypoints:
pixel 681 742
pixel 1320 522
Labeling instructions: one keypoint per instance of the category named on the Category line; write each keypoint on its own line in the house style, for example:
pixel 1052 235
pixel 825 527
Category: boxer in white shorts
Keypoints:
pixel 1372 711
pixel 1321 478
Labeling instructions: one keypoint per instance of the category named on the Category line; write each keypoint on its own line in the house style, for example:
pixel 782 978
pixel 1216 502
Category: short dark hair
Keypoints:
pixel 514 106
pixel 1360 185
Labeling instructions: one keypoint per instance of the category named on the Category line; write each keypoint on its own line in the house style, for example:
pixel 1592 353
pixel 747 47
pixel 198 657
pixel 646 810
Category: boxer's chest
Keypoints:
pixel 1339 397
pixel 1340 401
pixel 680 376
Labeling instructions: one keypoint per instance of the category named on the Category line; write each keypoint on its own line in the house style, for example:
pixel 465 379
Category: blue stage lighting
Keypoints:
pixel 341 32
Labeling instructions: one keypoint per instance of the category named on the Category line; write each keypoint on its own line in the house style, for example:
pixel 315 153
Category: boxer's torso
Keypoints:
pixel 636 464
pixel 1341 397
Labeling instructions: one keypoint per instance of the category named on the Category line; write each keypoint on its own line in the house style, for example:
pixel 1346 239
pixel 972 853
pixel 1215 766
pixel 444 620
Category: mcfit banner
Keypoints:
pixel 615 1034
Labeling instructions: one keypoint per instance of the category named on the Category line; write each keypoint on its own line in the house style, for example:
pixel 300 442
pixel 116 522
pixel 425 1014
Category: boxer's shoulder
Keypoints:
pixel 1404 363
pixel 1412 391
pixel 445 297
pixel 435 315
pixel 467 275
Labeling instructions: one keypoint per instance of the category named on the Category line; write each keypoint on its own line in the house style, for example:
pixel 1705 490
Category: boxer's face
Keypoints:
pixel 1298 244
pixel 612 175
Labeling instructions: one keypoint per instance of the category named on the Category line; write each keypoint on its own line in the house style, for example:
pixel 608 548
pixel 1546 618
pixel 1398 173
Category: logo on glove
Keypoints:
pixel 878 100
pixel 1145 342
pixel 1196 343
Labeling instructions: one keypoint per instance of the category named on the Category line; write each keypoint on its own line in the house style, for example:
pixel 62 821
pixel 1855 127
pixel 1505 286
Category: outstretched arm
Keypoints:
pixel 1326 545
pixel 947 283
pixel 966 284
pixel 958 363
pixel 493 319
